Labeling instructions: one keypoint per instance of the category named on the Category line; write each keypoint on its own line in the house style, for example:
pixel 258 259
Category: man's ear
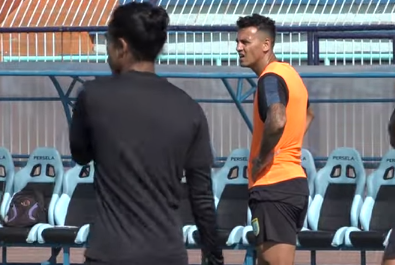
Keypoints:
pixel 266 45
pixel 121 48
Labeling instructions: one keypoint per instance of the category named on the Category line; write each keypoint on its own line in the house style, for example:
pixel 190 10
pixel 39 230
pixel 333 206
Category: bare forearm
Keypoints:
pixel 309 119
pixel 271 137
pixel 274 128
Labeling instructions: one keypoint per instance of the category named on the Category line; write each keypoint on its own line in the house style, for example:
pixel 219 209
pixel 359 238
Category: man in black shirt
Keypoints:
pixel 142 132
pixel 389 252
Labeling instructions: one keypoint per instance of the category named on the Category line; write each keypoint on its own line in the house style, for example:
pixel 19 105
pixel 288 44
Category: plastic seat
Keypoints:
pixel 75 209
pixel 339 189
pixel 310 169
pixel 44 173
pixel 311 173
pixel 230 187
pixel 377 215
pixel 7 173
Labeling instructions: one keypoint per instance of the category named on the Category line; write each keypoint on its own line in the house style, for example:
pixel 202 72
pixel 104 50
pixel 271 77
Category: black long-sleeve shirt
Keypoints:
pixel 142 132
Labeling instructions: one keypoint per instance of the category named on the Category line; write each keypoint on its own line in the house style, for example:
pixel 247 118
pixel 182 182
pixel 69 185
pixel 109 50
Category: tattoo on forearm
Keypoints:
pixel 274 127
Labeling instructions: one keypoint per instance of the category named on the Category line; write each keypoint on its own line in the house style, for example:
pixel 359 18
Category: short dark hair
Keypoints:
pixel 143 26
pixel 262 23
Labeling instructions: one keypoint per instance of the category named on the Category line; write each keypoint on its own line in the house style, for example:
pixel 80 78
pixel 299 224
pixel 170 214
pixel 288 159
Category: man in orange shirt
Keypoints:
pixel 277 181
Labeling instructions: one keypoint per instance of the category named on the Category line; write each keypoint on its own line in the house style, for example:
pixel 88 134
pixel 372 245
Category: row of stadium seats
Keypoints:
pixel 44 173
pixel 339 215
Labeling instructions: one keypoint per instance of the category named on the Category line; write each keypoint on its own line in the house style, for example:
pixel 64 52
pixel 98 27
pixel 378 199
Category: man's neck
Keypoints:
pixel 141 67
pixel 262 64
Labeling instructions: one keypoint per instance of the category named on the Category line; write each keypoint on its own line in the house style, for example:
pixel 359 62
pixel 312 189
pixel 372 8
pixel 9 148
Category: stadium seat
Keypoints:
pixel 7 172
pixel 310 169
pixel 339 189
pixel 74 211
pixel 377 215
pixel 230 186
pixel 43 172
pixel 311 173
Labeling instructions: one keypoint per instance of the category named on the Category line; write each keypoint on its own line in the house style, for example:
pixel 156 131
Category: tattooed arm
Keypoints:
pixel 274 127
pixel 309 117
pixel 272 100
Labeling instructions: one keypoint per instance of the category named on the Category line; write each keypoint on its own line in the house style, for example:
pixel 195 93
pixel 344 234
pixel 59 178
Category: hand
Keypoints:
pixel 258 165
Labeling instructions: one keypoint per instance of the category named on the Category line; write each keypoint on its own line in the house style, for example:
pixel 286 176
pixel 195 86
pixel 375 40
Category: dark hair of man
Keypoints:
pixel 262 23
pixel 142 26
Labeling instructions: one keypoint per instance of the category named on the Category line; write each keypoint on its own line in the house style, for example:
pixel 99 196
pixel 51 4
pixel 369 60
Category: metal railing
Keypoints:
pixel 207 45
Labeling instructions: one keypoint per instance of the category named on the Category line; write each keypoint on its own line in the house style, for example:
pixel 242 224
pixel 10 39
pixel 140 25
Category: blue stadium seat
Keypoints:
pixel 311 172
pixel 310 169
pixel 44 173
pixel 74 211
pixel 338 198
pixel 377 215
pixel 230 186
pixel 7 173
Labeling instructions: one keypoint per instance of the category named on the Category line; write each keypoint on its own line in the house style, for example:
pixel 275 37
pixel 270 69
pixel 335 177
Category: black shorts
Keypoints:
pixel 278 221
pixel 389 252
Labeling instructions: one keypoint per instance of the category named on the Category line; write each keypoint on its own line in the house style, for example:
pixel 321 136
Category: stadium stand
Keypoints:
pixel 377 216
pixel 339 189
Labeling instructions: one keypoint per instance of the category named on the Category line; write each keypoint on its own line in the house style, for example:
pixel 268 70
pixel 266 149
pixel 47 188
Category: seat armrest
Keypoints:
pixel 35 232
pixel 244 239
pixel 347 241
pixel 304 229
pixel 387 238
pixel 235 236
pixel 185 229
pixel 190 239
pixel 5 204
pixel 338 238
pixel 82 234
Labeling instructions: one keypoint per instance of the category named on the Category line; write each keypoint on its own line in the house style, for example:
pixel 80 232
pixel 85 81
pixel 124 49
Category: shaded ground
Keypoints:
pixel 35 255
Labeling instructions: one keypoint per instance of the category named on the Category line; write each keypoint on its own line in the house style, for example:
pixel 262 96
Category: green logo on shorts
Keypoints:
pixel 255 226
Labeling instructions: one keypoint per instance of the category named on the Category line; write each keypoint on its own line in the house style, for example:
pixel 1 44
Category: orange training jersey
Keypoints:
pixel 287 153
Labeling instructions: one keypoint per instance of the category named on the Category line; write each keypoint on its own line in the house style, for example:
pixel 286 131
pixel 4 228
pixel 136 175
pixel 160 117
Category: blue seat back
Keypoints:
pixel 7 174
pixel 377 211
pixel 73 177
pixel 339 190
pixel 44 166
pixel 233 172
pixel 7 169
pixel 230 186
pixel 310 169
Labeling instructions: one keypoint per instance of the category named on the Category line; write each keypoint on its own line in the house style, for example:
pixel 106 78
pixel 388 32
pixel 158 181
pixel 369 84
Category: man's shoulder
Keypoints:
pixel 101 81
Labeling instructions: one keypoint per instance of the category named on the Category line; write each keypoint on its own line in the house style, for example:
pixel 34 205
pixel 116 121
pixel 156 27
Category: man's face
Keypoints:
pixel 252 45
